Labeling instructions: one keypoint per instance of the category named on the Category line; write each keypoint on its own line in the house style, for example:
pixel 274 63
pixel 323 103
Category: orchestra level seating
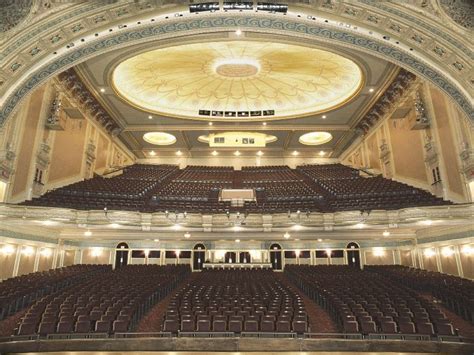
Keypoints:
pixel 308 188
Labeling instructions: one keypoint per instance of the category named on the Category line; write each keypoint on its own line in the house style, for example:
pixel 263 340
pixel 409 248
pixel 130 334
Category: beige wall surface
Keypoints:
pixel 467 262
pixel 372 259
pixel 45 262
pixel 406 258
pixel 69 257
pixel 447 142
pixel 68 151
pixel 102 152
pixel 429 263
pixel 407 149
pixel 448 265
pixel 7 262
pixel 27 263
pixel 373 152
pixel 25 153
pixel 88 257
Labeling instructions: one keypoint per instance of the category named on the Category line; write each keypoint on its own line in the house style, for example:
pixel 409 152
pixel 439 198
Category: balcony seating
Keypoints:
pixel 370 302
pixel 235 301
pixel 110 302
pixel 316 188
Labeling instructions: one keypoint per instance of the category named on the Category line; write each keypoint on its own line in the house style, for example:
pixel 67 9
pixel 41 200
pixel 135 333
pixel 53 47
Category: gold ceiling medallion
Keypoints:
pixel 239 77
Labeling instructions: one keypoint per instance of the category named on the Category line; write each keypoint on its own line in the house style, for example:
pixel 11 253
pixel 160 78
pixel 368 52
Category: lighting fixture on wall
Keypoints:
pixel 286 235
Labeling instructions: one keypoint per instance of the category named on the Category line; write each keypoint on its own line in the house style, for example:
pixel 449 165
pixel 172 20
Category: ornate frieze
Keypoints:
pixel 55 120
pixel 467 161
pixel 78 90
pixel 12 12
pixel 394 93
pixel 460 11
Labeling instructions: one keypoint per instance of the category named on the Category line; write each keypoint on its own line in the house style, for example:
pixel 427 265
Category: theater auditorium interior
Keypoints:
pixel 241 177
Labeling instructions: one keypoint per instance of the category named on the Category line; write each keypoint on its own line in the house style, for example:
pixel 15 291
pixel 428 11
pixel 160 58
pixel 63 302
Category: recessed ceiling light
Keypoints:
pixel 286 235
pixel 150 117
pixel 114 225
pixel 156 240
pixel 237 153
pixel 320 240
pixel 238 32
pixel 237 240
pixel 322 153
pixel 324 117
pixel 159 138
pixel 102 90
pixel 215 153
pixel 264 123
pixel 179 153
pixel 386 234
pixel 87 233
pixel 187 235
pixel 259 153
pixel 295 153
pixel 371 90
pixel 360 225
pixel 210 123
pixel 152 153
pixel 176 226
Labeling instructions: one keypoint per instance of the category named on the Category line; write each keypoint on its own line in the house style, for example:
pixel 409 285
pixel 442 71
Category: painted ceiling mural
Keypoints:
pixel 291 80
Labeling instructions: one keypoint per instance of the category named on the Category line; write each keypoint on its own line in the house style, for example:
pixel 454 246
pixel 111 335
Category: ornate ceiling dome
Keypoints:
pixel 237 76
pixel 12 12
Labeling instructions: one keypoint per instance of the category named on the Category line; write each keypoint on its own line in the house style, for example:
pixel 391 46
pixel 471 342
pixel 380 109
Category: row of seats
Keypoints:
pixel 318 188
pixel 109 302
pixel 369 303
pixel 236 301
pixel 454 292
pixel 19 292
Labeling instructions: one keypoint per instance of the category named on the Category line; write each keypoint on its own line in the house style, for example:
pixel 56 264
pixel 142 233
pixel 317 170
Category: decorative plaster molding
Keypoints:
pixel 225 22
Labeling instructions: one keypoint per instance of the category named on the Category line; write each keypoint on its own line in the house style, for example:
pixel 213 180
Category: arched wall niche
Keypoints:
pixel 319 31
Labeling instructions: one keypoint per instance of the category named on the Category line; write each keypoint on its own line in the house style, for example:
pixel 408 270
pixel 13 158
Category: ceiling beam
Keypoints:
pixel 244 127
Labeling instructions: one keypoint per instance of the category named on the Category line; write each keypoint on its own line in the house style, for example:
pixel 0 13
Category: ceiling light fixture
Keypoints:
pixel 87 233
pixel 210 123
pixel 152 153
pixel 386 234
pixel 371 90
pixel 322 153
pixel 187 235
pixel 295 153
pixel 286 235
pixel 237 153
pixel 215 153
pixel 259 153
pixel 150 117
pixel 102 90
pixel 179 153
pixel 156 240
pixel 238 32
pixel 324 117
pixel 114 225
pixel 264 123
pixel 320 240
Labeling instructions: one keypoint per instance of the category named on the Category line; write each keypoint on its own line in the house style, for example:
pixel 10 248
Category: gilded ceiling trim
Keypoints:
pixel 224 22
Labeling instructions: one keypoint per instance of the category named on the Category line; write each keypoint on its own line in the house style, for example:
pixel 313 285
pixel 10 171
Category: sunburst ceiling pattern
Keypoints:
pixel 244 76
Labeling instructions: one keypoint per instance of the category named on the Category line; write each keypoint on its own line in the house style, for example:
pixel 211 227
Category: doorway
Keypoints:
pixel 353 255
pixel 244 257
pixel 199 255
pixel 275 256
pixel 121 255
pixel 230 257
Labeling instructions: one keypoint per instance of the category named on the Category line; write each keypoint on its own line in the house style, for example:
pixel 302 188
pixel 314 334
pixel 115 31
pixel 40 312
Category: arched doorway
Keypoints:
pixel 199 255
pixel 230 257
pixel 353 256
pixel 244 257
pixel 275 256
pixel 121 255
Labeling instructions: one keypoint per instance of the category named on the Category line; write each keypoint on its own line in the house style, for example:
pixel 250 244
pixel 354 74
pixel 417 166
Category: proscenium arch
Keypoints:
pixel 358 38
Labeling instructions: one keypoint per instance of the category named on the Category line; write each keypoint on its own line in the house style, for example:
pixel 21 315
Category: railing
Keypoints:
pixel 288 335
